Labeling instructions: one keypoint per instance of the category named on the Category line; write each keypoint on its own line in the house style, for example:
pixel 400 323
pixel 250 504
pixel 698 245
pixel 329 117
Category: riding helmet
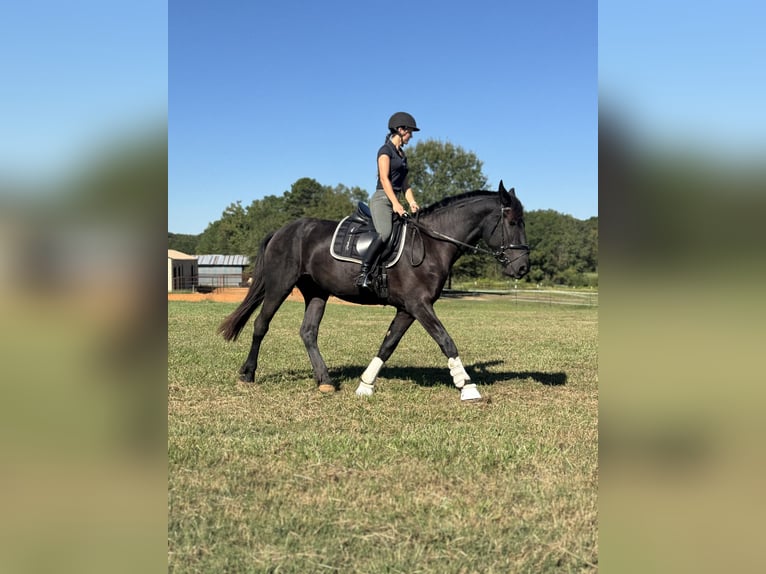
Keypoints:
pixel 403 120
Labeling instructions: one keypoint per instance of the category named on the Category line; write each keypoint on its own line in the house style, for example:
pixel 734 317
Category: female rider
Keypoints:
pixel 392 181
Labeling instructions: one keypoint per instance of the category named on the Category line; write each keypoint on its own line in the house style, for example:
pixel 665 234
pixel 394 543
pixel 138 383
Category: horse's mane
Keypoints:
pixel 478 193
pixel 453 199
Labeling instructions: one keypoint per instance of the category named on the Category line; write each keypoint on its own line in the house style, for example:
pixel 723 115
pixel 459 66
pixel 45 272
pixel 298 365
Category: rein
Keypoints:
pixel 498 254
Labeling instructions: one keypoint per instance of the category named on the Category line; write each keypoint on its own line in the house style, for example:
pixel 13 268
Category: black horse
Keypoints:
pixel 298 254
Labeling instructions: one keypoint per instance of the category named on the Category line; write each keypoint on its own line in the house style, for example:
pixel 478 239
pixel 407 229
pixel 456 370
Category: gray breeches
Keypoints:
pixel 382 214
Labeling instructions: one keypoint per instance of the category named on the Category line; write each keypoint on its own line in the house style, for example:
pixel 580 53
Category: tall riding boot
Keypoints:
pixel 365 277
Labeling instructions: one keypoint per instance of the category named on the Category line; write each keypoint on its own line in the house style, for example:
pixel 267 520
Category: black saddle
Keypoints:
pixel 354 234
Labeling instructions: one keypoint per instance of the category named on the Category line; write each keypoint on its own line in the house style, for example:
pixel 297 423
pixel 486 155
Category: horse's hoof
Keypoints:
pixel 364 390
pixel 470 393
pixel 327 388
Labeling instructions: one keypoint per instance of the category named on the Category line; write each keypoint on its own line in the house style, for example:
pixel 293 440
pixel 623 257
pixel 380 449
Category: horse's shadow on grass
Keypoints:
pixel 439 376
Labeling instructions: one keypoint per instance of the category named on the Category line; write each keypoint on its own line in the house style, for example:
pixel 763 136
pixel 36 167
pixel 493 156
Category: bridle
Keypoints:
pixel 498 254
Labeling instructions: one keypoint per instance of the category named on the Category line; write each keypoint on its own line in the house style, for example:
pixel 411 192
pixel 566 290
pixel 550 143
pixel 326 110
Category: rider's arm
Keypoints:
pixel 384 167
pixel 410 197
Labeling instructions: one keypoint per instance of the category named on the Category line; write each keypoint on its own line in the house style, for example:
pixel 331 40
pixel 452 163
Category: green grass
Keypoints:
pixel 275 477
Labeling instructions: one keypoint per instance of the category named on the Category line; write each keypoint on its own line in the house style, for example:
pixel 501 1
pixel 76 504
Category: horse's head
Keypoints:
pixel 507 237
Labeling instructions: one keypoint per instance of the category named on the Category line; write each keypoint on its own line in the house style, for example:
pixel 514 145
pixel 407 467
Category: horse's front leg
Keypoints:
pixel 396 331
pixel 425 314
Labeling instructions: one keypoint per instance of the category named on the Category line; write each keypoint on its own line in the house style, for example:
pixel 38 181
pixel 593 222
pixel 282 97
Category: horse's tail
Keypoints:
pixel 234 323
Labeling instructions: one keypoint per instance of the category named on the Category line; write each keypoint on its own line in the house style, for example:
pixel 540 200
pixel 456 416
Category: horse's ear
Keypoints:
pixel 505 196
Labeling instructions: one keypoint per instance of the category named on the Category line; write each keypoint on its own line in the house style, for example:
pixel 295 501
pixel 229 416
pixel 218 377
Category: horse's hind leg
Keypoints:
pixel 315 307
pixel 396 331
pixel 270 306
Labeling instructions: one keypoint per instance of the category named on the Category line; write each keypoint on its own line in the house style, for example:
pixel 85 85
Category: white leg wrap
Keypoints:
pixel 459 376
pixel 364 390
pixel 367 384
pixel 469 393
pixel 371 372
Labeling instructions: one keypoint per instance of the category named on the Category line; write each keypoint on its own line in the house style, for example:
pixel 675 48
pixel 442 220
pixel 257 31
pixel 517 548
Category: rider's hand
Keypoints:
pixel 414 207
pixel 399 209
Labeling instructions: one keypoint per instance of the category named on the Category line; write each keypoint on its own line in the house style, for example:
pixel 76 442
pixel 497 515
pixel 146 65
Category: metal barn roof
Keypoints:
pixel 223 260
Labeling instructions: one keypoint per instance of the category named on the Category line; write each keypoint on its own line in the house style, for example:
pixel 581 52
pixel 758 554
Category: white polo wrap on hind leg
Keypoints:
pixel 367 384
pixel 456 369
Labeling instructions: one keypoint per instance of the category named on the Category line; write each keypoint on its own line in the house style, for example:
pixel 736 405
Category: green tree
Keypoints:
pixel 439 169
pixel 591 253
pixel 476 266
pixel 306 198
pixel 227 235
pixel 209 239
pixel 563 248
pixel 183 242
pixel 305 195
pixel 264 216
pixel 335 203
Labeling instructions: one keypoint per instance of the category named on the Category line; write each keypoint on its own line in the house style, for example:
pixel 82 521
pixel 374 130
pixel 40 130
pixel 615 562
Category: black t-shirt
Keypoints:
pixel 398 167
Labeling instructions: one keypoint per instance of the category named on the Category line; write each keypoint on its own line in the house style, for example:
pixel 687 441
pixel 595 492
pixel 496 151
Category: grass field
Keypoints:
pixel 275 477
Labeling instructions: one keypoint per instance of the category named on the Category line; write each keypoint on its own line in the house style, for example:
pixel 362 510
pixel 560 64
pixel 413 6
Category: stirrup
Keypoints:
pixel 364 279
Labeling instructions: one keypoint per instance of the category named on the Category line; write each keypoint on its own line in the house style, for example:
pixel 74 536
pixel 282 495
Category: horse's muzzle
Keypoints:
pixel 521 271
pixel 516 270
pixel 517 264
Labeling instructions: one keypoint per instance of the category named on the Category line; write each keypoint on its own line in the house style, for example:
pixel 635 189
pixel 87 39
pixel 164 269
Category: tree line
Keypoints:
pixel 564 250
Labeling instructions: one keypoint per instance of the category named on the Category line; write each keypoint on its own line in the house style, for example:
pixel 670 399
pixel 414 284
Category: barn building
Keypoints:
pixel 217 271
pixel 182 271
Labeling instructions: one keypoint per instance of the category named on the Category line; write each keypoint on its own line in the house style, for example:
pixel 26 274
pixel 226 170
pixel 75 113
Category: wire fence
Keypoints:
pixel 581 297
pixel 587 298
pixel 207 282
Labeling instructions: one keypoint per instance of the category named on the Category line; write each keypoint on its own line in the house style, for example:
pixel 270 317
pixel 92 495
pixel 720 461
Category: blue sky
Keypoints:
pixel 264 93
pixel 261 94
pixel 74 75
pixel 687 73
